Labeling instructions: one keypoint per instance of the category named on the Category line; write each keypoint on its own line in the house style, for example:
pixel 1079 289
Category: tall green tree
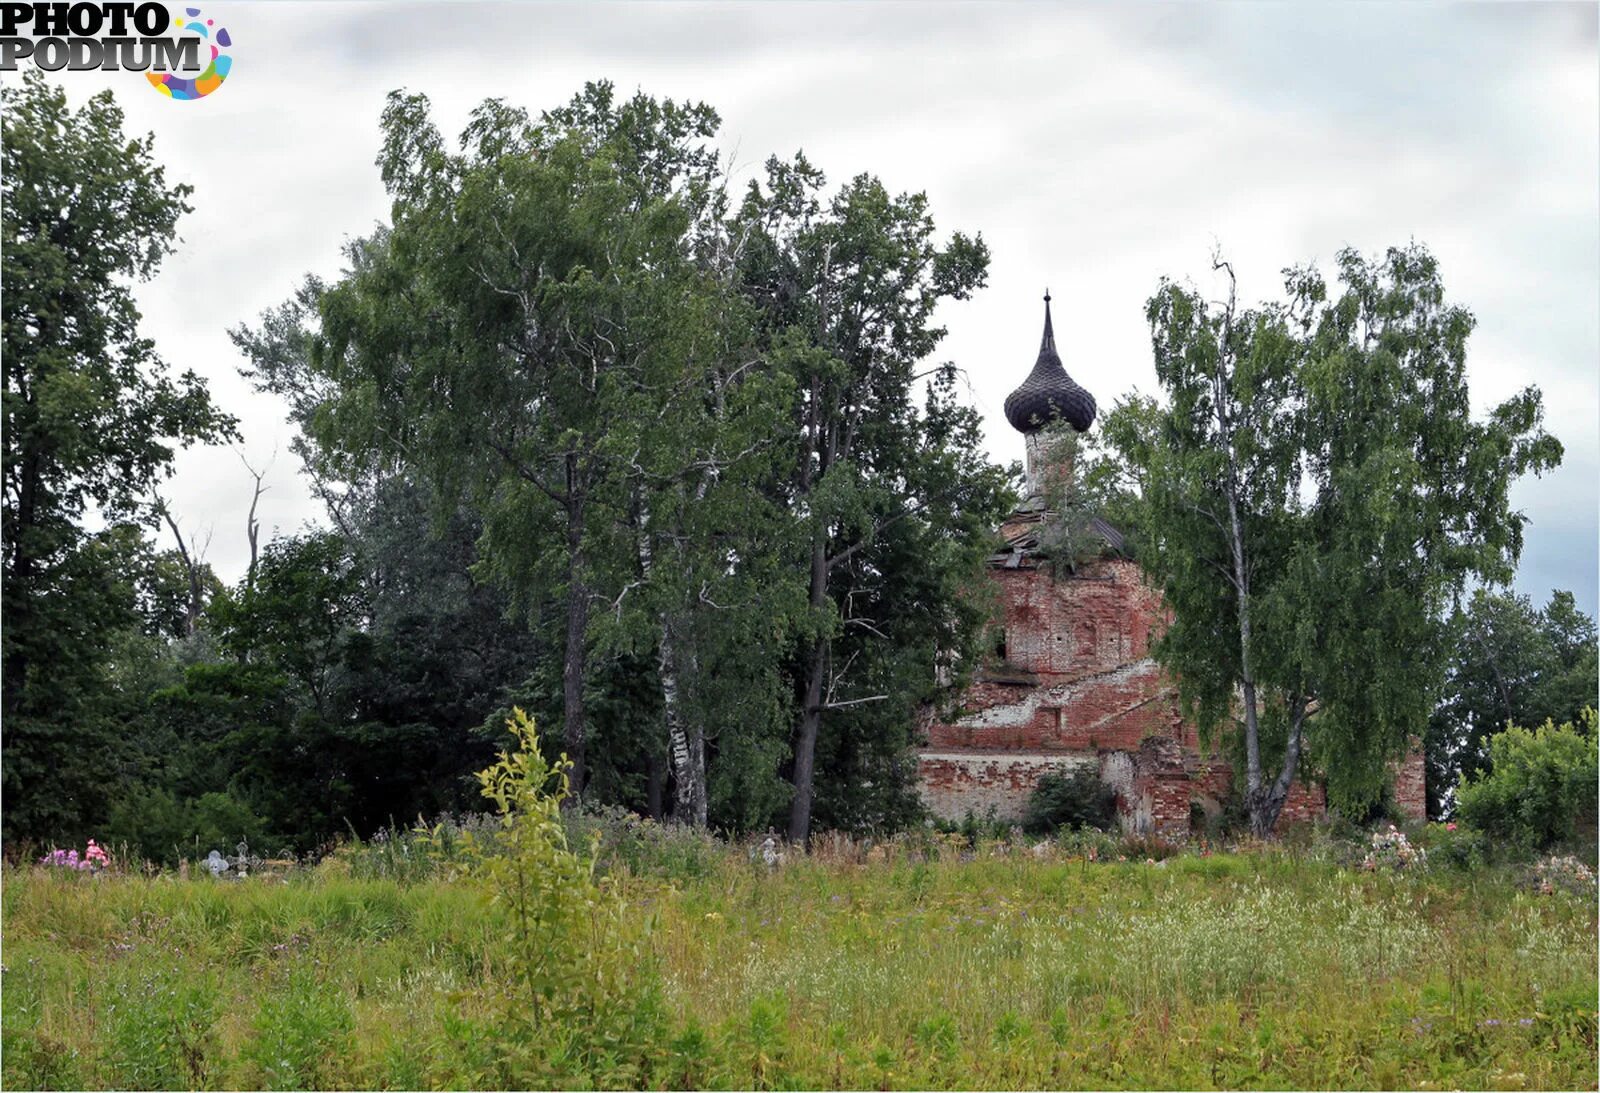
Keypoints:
pixel 1314 495
pixel 538 336
pixel 91 422
pixel 894 504
pixel 1509 663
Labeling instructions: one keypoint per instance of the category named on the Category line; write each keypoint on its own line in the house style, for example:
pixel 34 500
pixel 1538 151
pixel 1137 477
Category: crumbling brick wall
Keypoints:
pixel 1410 784
pixel 1072 682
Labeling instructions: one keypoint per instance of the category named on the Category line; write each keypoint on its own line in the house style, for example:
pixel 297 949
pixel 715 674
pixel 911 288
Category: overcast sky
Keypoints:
pixel 1096 147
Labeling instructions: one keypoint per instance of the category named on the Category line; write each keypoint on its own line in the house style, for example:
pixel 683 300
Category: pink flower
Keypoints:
pixel 1449 827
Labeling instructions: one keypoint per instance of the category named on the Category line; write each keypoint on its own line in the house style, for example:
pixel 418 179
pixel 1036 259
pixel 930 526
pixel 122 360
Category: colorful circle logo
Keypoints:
pixel 176 87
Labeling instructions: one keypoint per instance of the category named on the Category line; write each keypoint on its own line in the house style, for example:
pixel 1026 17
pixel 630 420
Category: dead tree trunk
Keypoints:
pixel 252 526
pixel 191 569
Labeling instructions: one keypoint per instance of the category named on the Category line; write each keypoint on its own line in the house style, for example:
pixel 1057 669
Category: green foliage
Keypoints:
pixel 303 683
pixel 424 851
pixel 1274 968
pixel 1073 501
pixel 1510 664
pixel 580 995
pixel 297 611
pixel 893 505
pixel 665 412
pixel 1540 788
pixel 644 847
pixel 156 826
pixel 1312 497
pixel 160 1035
pixel 1075 800
pixel 91 421
pixel 300 1035
pixel 1457 845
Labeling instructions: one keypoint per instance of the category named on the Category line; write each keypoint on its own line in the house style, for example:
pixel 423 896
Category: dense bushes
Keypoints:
pixel 1540 789
pixel 1080 799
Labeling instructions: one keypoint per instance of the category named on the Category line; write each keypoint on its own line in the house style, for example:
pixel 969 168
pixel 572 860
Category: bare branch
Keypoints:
pixel 252 526
pixel 191 569
pixel 853 702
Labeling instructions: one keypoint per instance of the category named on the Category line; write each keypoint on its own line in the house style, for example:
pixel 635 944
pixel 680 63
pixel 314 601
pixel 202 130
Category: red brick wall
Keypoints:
pixel 1410 784
pixel 1076 626
pixel 1117 709
pixel 1077 685
pixel 984 783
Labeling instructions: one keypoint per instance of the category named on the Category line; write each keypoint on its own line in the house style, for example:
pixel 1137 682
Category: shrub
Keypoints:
pixel 582 999
pixel 973 828
pixel 1540 789
pixel 1075 800
pixel 155 825
pixel 1456 845
pixel 421 852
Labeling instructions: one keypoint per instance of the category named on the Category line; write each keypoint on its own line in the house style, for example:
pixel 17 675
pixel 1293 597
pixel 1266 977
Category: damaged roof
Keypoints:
pixel 1024 543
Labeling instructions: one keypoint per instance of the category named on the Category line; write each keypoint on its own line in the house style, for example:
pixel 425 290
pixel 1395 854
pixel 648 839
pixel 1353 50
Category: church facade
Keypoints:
pixel 1071 682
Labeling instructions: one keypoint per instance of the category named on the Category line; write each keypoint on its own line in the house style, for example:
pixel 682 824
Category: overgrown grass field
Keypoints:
pixel 996 968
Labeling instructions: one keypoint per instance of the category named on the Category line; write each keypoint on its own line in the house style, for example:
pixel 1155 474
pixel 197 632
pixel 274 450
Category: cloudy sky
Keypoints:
pixel 1096 147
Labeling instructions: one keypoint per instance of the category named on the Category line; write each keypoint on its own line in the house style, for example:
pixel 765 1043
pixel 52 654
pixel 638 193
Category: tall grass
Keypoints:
pixel 872 969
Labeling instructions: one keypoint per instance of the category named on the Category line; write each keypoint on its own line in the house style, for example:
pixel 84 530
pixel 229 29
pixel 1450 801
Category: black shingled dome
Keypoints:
pixel 1049 392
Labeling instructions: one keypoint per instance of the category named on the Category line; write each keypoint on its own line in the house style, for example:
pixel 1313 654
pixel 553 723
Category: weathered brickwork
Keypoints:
pixel 1073 683
pixel 985 783
pixel 1410 785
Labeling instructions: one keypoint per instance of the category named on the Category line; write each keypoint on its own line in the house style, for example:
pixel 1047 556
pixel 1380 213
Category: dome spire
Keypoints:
pixel 1048 392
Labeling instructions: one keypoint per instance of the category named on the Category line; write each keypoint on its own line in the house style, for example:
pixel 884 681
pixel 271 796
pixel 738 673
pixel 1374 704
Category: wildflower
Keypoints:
pixel 1449 827
pixel 1525 1022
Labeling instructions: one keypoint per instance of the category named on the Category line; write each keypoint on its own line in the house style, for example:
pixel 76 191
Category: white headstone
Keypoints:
pixel 216 863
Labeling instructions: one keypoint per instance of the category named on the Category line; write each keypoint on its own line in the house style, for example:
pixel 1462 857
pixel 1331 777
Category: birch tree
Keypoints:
pixel 1314 495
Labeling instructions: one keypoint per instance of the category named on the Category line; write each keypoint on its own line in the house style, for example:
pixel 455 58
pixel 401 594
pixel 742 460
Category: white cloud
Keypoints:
pixel 1096 147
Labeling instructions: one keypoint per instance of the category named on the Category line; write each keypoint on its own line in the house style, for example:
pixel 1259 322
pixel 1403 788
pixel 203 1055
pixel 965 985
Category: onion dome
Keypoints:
pixel 1049 392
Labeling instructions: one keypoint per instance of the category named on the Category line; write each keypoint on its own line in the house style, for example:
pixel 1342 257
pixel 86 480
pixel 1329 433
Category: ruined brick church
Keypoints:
pixel 1071 682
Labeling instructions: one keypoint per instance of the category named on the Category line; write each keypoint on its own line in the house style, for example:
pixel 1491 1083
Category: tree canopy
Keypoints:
pixel 1314 494
pixel 92 418
pixel 715 471
pixel 1509 663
